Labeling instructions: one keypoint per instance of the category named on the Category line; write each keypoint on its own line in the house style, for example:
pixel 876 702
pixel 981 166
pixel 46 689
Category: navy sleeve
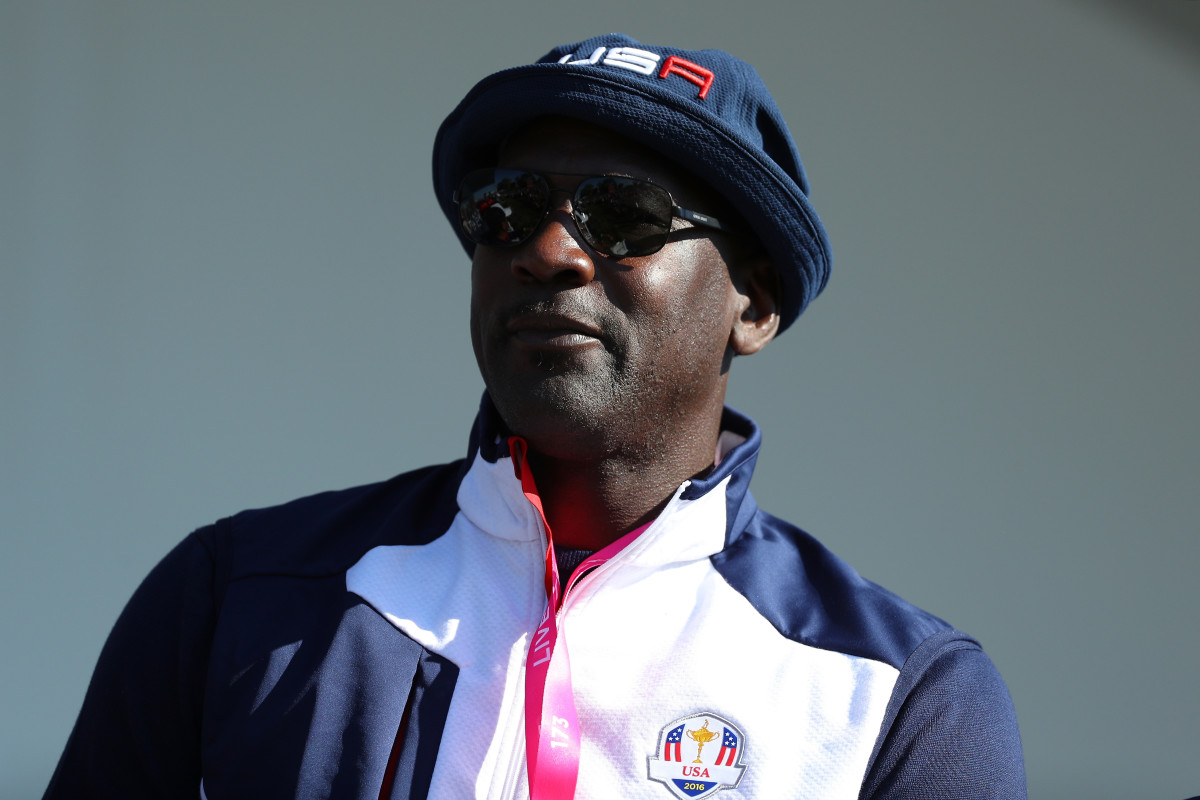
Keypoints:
pixel 138 734
pixel 950 730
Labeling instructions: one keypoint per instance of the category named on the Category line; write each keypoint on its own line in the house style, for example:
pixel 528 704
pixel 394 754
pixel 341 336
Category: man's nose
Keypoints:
pixel 556 252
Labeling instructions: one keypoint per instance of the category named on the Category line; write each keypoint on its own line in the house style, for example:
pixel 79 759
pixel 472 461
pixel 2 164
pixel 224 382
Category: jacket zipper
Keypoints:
pixel 509 789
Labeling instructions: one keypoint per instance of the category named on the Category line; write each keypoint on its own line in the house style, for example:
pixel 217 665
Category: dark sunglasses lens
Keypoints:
pixel 502 207
pixel 623 216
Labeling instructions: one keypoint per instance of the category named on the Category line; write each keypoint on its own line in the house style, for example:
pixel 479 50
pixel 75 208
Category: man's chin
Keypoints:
pixel 559 416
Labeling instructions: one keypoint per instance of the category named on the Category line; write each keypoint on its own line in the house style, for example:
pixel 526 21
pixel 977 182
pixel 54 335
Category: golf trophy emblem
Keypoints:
pixel 709 772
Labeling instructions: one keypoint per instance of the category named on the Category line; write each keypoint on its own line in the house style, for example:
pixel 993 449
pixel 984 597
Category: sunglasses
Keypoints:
pixel 616 216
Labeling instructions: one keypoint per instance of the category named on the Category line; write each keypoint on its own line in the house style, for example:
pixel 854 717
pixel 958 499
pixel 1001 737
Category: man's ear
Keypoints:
pixel 757 283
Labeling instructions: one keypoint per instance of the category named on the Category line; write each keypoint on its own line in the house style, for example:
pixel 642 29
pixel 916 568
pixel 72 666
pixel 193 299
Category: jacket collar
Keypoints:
pixel 737 451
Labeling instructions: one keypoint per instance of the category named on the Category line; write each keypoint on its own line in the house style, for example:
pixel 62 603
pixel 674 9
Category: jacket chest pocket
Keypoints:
pixel 338 703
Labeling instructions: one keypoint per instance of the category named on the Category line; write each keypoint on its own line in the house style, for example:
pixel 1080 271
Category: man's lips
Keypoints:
pixel 551 330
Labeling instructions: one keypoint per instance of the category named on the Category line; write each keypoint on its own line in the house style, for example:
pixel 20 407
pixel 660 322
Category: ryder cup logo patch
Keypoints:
pixel 698 756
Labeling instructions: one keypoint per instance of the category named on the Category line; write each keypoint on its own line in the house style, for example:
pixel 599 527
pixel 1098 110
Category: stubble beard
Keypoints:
pixel 563 410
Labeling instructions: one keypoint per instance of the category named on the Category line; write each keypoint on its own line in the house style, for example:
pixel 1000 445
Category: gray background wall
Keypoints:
pixel 224 283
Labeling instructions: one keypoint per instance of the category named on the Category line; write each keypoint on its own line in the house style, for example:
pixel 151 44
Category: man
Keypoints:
pixel 591 604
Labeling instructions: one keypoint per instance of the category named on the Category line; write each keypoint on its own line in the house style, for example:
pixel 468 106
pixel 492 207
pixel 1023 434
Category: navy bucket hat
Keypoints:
pixel 707 111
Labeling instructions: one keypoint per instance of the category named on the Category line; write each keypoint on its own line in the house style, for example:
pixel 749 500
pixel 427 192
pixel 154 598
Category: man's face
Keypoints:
pixel 586 355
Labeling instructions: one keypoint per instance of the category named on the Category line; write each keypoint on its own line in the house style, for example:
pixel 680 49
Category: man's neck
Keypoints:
pixel 590 504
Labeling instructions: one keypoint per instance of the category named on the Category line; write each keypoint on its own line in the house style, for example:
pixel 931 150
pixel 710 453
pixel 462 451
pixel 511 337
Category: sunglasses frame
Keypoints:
pixel 695 217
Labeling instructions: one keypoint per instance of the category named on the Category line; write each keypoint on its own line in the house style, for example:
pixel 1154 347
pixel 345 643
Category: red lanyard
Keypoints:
pixel 551 725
